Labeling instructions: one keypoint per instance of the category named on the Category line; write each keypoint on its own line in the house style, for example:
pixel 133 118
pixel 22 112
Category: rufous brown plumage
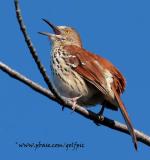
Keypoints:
pixel 84 77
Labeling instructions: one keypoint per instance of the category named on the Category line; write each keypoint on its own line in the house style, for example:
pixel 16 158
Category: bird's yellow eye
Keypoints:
pixel 67 31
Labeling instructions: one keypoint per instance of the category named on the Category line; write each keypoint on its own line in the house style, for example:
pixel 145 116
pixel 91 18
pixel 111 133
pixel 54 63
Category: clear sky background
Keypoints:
pixel 119 31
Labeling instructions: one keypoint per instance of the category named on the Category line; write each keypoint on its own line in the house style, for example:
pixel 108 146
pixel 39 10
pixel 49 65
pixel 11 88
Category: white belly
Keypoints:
pixel 69 83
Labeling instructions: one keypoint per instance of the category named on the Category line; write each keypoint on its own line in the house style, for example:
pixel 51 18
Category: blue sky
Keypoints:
pixel 117 30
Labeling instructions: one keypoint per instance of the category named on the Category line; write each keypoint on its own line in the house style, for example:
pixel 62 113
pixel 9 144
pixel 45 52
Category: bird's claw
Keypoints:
pixel 74 100
pixel 100 118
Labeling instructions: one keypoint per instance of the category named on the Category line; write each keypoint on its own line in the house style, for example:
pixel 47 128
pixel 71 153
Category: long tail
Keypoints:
pixel 126 117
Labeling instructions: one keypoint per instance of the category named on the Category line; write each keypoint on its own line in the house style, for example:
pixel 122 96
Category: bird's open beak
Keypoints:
pixel 55 29
pixel 46 34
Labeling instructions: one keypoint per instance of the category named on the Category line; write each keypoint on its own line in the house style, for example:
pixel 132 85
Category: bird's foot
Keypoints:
pixel 100 115
pixel 100 118
pixel 74 100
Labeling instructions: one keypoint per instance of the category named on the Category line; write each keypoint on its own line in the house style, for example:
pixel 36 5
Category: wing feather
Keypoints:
pixel 92 67
pixel 87 67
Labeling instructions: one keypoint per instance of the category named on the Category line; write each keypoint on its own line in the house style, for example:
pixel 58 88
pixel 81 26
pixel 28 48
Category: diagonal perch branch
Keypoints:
pixel 82 111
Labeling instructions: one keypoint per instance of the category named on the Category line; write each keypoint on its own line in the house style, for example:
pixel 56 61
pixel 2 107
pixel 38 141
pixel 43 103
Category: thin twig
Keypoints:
pixel 33 50
pixel 145 139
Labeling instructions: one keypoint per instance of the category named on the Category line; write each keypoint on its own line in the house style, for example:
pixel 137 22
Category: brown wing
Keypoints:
pixel 87 66
pixel 119 80
pixel 92 66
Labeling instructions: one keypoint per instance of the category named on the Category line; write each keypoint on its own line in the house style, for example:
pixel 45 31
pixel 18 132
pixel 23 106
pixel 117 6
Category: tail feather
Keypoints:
pixel 126 118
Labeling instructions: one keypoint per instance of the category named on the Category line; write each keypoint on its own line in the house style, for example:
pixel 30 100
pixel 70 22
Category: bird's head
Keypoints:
pixel 63 35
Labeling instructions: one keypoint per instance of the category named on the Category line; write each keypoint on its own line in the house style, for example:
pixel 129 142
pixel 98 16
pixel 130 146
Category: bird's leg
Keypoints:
pixel 74 100
pixel 100 115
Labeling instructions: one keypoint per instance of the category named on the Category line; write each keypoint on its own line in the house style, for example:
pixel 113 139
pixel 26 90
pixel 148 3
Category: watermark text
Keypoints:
pixel 67 146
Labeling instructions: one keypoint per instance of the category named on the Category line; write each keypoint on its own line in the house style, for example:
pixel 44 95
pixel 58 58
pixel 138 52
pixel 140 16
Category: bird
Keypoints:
pixel 85 78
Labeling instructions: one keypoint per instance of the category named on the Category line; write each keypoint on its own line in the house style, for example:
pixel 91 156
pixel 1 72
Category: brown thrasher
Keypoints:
pixel 84 77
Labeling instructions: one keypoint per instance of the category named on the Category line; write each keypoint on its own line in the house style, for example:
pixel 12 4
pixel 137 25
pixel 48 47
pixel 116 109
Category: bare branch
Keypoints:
pixel 32 49
pixel 82 111
pixel 26 81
